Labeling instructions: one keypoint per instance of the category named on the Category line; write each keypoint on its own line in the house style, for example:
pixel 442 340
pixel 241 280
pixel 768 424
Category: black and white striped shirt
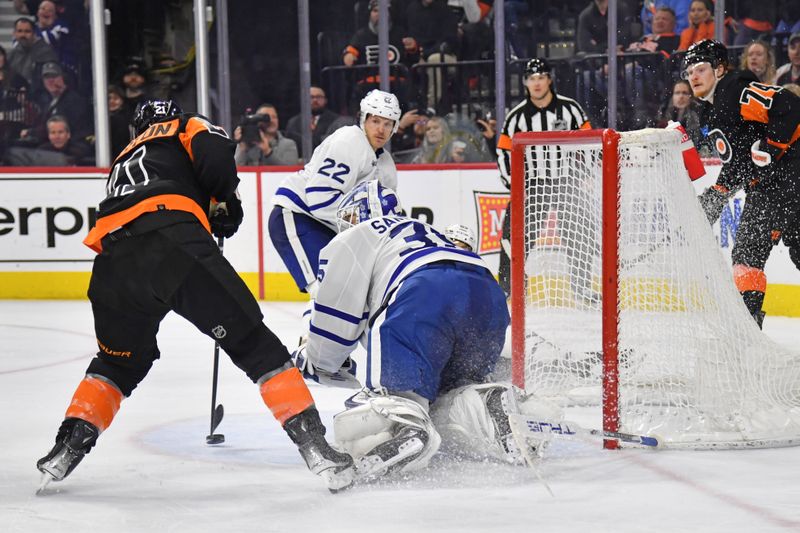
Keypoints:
pixel 561 114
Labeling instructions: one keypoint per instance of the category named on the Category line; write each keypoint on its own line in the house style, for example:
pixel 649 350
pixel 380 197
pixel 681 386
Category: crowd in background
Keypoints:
pixel 441 55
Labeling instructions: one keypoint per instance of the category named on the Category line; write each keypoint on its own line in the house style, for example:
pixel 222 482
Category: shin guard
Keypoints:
pixel 286 394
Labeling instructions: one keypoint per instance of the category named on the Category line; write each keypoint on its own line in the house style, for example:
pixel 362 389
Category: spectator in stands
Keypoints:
pixel 363 46
pixel 788 18
pixel 134 78
pixel 59 99
pixel 488 128
pixel 10 79
pixel 680 107
pixel 463 127
pixel 29 52
pixel 119 120
pixel 55 32
pixel 701 24
pixel 58 151
pixel 59 139
pixel 680 8
pixel 756 18
pixel 321 120
pixel 592 31
pixel 270 147
pixel 411 130
pixel 434 145
pixel 793 88
pixel 790 72
pixel 663 37
pixel 363 49
pixel 474 32
pixel 758 58
pixel 514 11
pixel 435 32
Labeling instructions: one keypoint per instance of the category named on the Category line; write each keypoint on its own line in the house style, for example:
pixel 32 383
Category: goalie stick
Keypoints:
pixel 536 428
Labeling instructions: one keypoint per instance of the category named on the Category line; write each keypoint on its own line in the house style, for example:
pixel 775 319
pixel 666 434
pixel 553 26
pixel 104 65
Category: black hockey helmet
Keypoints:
pixel 537 65
pixel 706 51
pixel 151 111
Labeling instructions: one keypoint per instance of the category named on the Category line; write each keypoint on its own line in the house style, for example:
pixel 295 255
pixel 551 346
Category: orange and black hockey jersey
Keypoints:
pixel 176 166
pixel 745 111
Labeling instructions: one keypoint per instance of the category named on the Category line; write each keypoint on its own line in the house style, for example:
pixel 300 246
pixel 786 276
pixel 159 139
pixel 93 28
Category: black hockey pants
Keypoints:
pixel 138 279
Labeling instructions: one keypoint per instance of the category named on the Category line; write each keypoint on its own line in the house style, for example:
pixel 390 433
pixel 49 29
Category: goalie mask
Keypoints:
pixel 152 111
pixel 368 199
pixel 382 104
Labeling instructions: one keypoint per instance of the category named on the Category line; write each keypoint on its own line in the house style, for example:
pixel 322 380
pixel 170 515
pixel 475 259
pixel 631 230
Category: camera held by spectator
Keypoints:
pixel 252 124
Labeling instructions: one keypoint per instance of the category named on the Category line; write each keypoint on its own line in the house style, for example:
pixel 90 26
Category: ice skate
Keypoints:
pixel 335 468
pixel 75 438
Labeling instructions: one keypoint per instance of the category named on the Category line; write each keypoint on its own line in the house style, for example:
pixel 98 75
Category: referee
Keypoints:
pixel 543 110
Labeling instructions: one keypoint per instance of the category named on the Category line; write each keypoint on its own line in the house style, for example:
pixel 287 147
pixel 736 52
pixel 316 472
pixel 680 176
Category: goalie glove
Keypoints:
pixel 345 377
pixel 227 217
pixel 765 153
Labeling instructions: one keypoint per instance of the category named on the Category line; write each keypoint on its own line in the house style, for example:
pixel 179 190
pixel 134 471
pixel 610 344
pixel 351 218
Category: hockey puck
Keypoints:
pixel 216 438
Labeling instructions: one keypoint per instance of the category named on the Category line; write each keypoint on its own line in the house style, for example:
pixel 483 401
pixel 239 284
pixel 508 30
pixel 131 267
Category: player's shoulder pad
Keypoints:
pixel 348 134
pixel 192 124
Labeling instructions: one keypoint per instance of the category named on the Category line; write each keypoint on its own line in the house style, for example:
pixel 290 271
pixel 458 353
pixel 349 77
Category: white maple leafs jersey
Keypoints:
pixel 359 270
pixel 342 161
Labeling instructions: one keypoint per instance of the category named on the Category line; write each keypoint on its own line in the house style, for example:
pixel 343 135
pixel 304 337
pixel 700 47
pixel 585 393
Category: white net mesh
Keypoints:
pixel 693 366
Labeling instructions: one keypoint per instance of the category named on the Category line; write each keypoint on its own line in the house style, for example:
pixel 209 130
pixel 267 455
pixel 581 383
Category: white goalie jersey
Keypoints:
pixel 358 273
pixel 342 161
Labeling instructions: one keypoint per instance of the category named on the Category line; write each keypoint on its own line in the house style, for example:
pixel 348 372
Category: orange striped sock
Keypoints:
pixel 95 401
pixel 286 395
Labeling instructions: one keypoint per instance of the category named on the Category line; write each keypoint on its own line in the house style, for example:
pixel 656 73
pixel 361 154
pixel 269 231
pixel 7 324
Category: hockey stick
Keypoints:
pixel 217 411
pixel 536 427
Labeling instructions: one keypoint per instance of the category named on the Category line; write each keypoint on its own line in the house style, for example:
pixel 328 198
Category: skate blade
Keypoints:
pixel 338 481
pixel 47 478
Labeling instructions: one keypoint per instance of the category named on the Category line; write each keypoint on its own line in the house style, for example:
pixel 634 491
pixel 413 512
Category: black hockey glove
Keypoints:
pixel 227 218
pixel 713 200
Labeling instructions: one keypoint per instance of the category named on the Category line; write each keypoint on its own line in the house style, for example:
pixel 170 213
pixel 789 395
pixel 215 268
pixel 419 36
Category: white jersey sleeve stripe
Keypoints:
pixel 326 203
pixel 294 197
pixel 340 314
pixel 332 336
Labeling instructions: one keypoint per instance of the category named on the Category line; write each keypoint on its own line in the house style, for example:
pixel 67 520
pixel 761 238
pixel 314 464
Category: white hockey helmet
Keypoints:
pixel 461 233
pixel 368 199
pixel 380 103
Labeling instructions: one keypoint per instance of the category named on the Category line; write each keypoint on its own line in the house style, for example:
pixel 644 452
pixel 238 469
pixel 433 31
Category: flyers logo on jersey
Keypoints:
pixel 491 210
pixel 721 144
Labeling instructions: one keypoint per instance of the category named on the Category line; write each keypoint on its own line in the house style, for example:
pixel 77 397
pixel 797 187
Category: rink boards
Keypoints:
pixel 45 214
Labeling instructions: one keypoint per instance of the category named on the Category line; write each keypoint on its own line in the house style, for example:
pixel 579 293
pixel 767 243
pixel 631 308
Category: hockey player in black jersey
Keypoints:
pixel 156 254
pixel 754 128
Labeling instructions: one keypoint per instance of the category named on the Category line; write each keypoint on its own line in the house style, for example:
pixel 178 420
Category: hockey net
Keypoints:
pixel 621 298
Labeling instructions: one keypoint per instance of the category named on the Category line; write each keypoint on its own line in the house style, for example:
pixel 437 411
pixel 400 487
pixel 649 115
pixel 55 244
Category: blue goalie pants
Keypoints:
pixel 442 328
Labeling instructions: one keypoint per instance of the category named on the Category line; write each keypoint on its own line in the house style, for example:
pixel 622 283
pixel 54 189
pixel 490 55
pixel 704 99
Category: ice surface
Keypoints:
pixel 152 470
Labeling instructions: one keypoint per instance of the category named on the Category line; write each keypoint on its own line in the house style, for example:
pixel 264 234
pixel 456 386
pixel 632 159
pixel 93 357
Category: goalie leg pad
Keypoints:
pixel 473 421
pixel 386 434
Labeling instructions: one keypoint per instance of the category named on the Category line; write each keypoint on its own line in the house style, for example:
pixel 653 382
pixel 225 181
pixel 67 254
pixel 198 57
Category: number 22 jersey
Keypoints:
pixel 342 161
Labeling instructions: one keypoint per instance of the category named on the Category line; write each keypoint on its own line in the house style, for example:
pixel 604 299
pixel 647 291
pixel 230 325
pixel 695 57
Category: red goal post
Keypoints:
pixel 620 298
pixel 609 139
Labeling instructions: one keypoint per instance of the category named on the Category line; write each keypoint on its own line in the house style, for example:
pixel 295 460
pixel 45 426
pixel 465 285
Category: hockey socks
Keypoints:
pixel 96 401
pixel 286 394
